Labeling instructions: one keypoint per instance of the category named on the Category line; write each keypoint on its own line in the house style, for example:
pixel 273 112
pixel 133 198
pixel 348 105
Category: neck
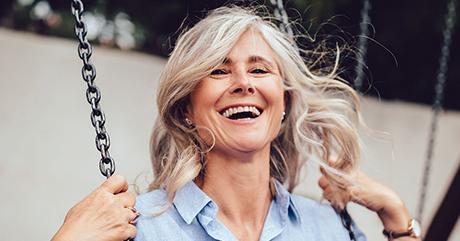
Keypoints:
pixel 239 184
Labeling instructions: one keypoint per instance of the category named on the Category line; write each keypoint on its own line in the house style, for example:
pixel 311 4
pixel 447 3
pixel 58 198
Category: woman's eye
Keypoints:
pixel 259 71
pixel 218 72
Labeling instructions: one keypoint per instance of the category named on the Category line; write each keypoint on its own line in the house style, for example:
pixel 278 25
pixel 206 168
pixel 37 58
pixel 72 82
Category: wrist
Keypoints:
pixel 398 223
pixel 412 232
pixel 395 216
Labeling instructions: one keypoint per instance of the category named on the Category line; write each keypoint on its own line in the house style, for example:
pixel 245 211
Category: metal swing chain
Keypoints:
pixel 449 21
pixel 362 45
pixel 93 95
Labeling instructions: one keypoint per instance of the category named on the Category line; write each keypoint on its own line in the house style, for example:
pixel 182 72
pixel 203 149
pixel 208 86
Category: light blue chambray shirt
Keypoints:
pixel 193 217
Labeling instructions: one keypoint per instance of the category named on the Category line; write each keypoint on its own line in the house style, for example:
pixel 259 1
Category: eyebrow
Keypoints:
pixel 252 59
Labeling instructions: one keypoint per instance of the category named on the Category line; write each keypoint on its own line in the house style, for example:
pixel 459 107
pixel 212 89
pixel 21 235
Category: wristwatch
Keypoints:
pixel 413 230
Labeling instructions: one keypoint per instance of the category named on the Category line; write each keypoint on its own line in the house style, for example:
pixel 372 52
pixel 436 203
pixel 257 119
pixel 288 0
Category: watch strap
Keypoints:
pixel 409 233
pixel 394 235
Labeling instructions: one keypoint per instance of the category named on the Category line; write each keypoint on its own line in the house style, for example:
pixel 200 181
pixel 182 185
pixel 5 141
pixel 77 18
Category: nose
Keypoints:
pixel 242 85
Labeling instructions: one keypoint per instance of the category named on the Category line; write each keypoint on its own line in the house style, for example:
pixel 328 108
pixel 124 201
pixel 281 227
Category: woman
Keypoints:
pixel 239 114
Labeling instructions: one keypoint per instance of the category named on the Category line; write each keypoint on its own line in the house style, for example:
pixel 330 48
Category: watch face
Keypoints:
pixel 416 230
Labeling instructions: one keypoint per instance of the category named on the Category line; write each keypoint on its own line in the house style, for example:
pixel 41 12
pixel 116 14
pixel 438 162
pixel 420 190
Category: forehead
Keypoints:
pixel 251 47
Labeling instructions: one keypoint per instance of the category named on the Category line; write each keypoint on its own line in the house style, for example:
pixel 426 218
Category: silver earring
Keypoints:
pixel 282 118
pixel 188 122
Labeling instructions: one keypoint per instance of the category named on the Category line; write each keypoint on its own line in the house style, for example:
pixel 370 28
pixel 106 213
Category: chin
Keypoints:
pixel 247 144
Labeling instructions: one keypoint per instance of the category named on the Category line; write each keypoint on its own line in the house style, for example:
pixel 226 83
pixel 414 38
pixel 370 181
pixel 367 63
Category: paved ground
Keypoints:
pixel 49 160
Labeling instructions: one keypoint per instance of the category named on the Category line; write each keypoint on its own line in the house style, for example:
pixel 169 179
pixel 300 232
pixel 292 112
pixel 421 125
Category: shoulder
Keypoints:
pixel 322 218
pixel 151 201
pixel 155 221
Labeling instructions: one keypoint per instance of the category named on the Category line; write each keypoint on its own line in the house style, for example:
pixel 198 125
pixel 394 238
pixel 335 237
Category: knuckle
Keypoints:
pixel 320 182
pixel 129 231
pixel 70 213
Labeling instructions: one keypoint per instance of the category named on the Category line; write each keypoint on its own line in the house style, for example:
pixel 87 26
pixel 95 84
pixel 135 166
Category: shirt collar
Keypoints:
pixel 284 200
pixel 190 200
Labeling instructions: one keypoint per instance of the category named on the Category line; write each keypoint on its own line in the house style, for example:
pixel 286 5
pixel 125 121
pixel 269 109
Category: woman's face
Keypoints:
pixel 242 100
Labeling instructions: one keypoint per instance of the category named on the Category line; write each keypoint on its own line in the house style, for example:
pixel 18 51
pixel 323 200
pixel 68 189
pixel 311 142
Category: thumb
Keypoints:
pixel 115 184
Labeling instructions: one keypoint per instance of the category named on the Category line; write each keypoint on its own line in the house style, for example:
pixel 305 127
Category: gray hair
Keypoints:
pixel 322 111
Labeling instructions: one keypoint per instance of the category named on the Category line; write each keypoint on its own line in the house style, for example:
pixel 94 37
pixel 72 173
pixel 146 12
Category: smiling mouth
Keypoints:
pixel 241 112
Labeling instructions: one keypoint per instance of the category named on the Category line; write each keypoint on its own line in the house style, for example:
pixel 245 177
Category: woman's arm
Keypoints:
pixel 106 214
pixel 377 198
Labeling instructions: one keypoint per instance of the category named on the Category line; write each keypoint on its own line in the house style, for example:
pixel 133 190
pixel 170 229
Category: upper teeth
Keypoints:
pixel 233 110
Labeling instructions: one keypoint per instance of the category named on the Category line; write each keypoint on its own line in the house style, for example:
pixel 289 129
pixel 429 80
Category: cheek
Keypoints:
pixel 203 98
pixel 274 93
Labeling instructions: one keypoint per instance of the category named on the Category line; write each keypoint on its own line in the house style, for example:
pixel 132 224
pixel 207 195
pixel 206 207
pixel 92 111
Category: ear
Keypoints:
pixel 287 101
pixel 188 112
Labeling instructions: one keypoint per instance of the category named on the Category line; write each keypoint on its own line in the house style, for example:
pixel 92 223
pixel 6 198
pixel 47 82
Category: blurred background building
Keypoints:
pixel 48 157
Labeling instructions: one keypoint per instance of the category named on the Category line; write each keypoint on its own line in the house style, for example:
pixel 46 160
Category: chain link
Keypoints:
pixel 93 94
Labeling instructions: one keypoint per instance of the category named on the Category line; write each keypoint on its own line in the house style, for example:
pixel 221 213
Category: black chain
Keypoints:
pixel 93 95
pixel 449 21
pixel 362 45
pixel 347 222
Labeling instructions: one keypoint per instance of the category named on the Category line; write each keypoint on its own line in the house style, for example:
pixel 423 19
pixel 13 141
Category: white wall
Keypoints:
pixel 48 158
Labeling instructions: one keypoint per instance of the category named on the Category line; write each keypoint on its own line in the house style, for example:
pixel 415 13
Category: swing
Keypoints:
pixel 362 45
pixel 97 116
pixel 93 94
pixel 433 232
pixel 437 104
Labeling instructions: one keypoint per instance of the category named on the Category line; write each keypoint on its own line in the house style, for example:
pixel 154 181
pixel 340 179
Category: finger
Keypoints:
pixel 129 232
pixel 334 200
pixel 126 199
pixel 327 193
pixel 323 182
pixel 115 184
pixel 130 215
pixel 332 161
pixel 322 170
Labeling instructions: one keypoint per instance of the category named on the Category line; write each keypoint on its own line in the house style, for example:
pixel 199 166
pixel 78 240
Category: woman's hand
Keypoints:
pixel 372 195
pixel 365 191
pixel 105 214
